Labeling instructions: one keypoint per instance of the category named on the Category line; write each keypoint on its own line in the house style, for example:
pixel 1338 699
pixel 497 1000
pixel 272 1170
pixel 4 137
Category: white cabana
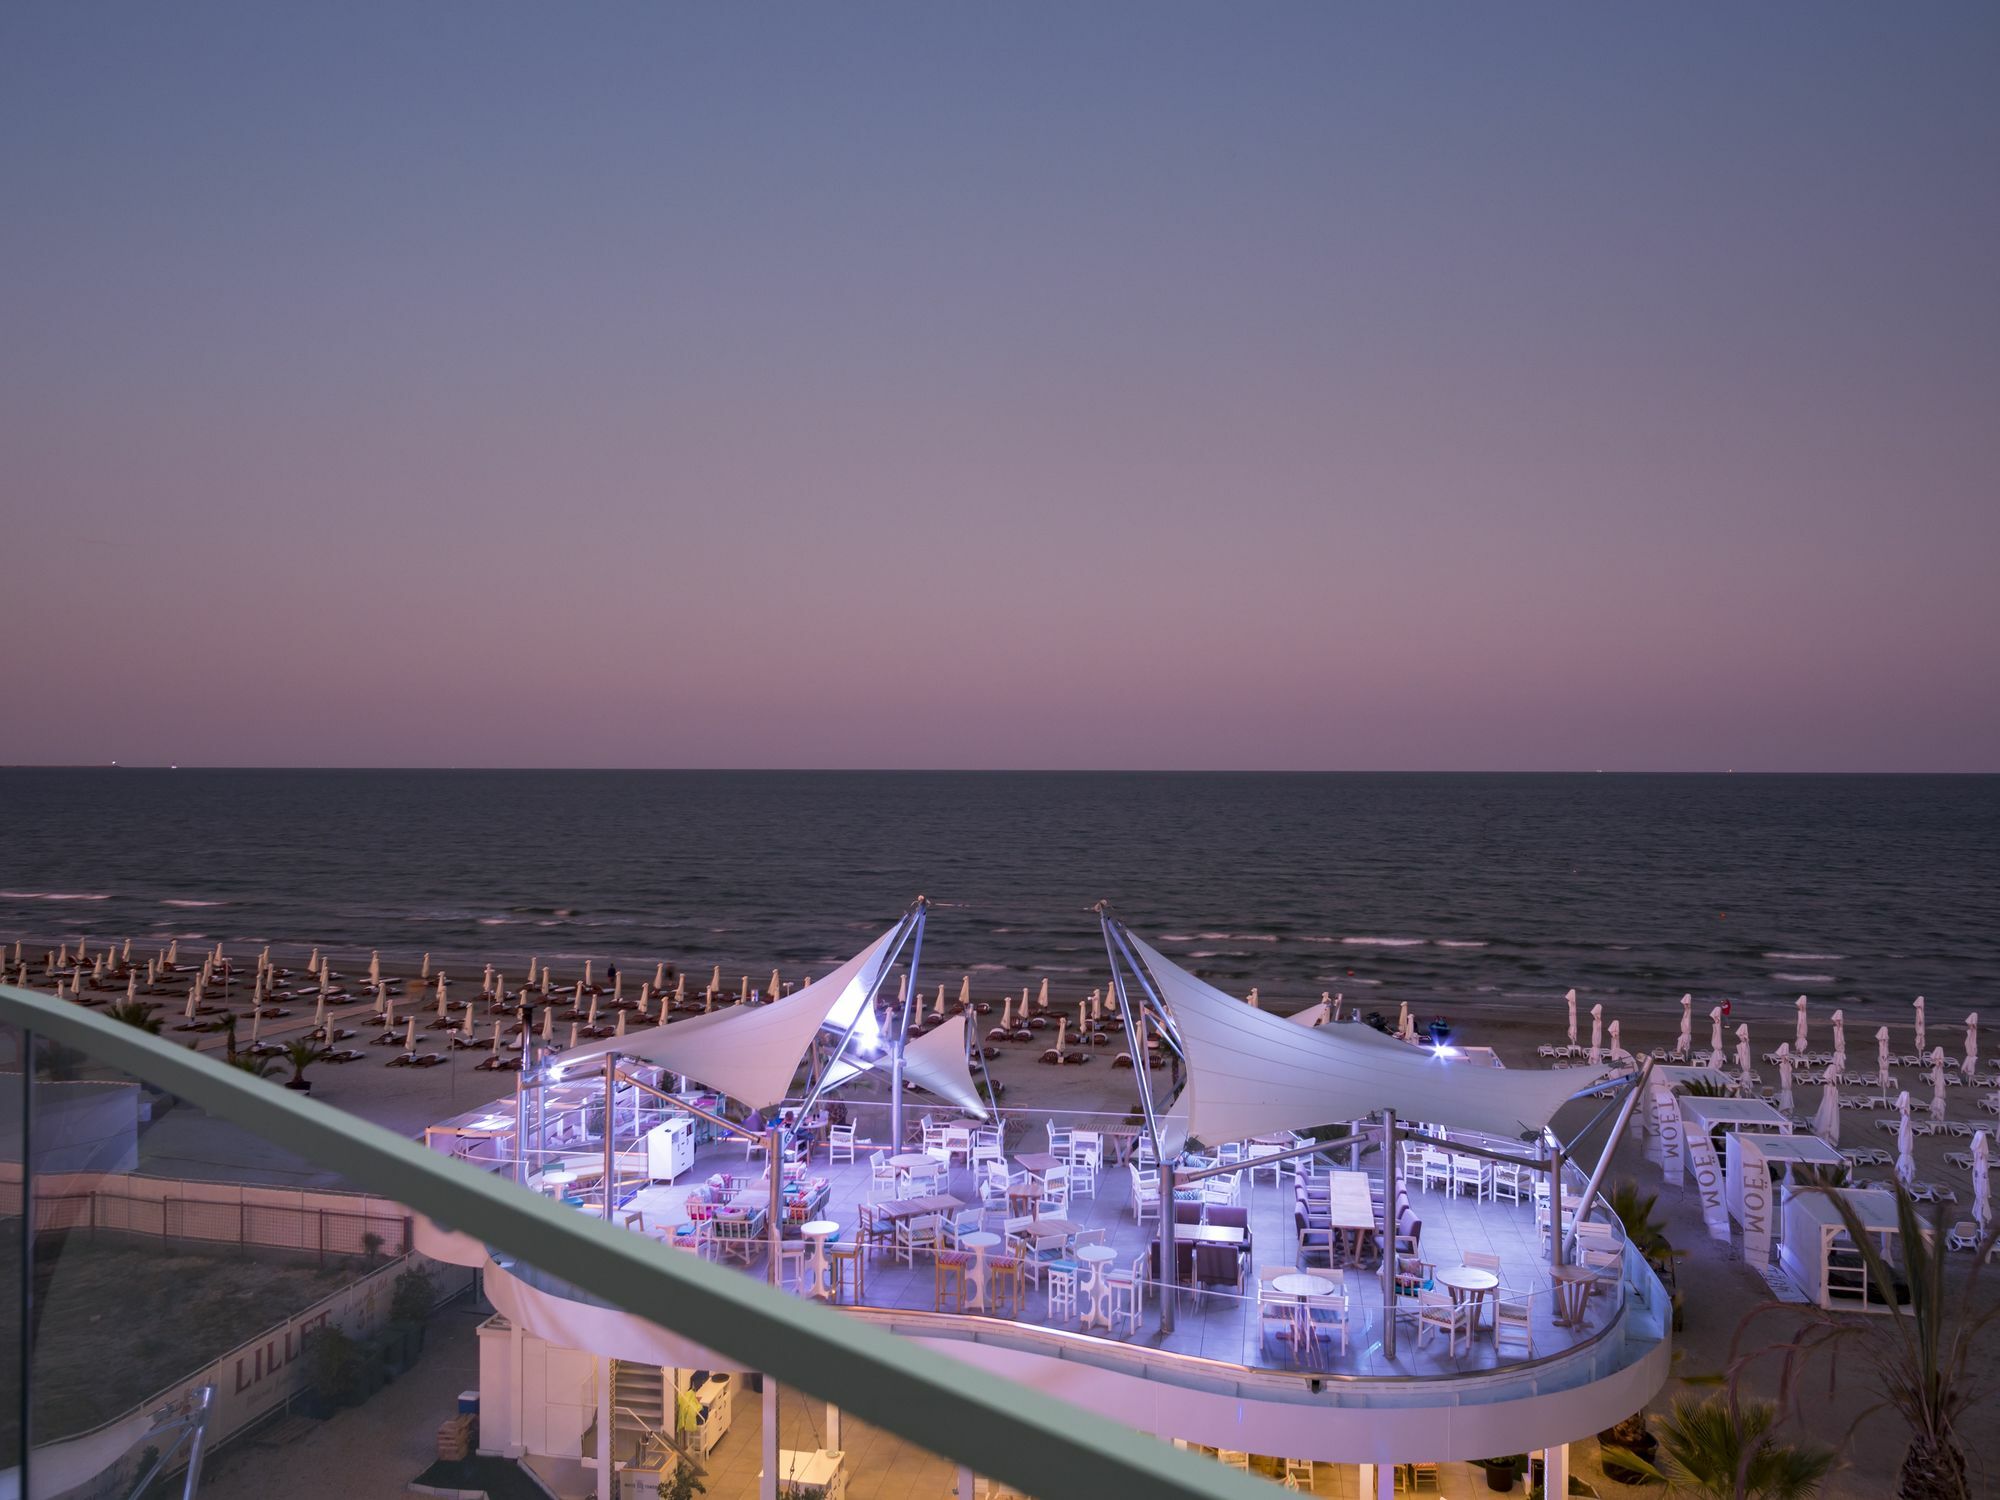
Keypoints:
pixel 1251 1073
pixel 1819 1254
pixel 1757 1173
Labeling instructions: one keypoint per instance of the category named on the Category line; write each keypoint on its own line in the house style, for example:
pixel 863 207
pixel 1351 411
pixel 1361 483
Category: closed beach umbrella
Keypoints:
pixel 645 995
pixel 1596 1034
pixel 660 975
pixel 1784 1078
pixel 572 1033
pixel 1082 1017
pixel 193 992
pixel 496 1038
pixel 1685 1045
pixel 965 992
pixel 124 957
pixel 1882 1057
pixel 1007 1014
pixel 548 1023
pixel 940 997
pixel 131 987
pixel 389 1013
pixel 1937 1083
pixel 545 981
pixel 1062 1026
pixel 486 982
pixel 1799 1033
pixel 665 1008
pixel 1715 1037
pixel 1570 1000
pixel 576 997
pixel 1906 1147
pixel 680 986
pixel 312 963
pixel 621 1023
pixel 743 990
pixel 533 964
pixel 440 987
pixel 427 966
pixel 964 1002
pixel 1826 1119
pixel 466 1026
pixel 1840 1041
pixel 776 989
pixel 1743 1057
pixel 1096 1005
pixel 1918 1007
pixel 1042 997
pixel 715 979
pixel 1982 1189
pixel 1253 998
pixel 256 1025
pixel 586 971
pixel 173 953
pixel 410 1035
pixel 319 1014
pixel 440 1013
pixel 618 984
pixel 1617 1047
pixel 591 1018
pixel 1403 1018
pixel 1971 1064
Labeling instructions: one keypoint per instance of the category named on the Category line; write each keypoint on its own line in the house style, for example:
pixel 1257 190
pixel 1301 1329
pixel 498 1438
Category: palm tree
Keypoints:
pixel 137 1013
pixel 255 1064
pixel 1921 1369
pixel 1721 1449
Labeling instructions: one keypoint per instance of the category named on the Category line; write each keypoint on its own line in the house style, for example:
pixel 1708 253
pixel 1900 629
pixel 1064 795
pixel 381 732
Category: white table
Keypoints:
pixel 1095 1258
pixel 819 1231
pixel 1469 1286
pixel 978 1242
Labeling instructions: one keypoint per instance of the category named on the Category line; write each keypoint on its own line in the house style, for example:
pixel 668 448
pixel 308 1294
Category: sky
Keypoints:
pixel 1147 385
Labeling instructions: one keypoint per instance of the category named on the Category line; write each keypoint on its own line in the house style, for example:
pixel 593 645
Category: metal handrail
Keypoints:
pixel 1023 1437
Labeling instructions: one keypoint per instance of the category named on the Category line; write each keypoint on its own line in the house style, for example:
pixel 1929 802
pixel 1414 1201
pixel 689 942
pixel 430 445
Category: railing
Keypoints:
pixel 1018 1435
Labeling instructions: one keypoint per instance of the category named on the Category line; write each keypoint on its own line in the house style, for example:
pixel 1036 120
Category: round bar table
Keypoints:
pixel 819 1231
pixel 978 1242
pixel 1095 1258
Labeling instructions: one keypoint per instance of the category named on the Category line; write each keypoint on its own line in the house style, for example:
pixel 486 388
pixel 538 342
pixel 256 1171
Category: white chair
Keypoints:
pixel 924 1178
pixel 1055 1192
pixel 1086 1144
pixel 1299 1475
pixel 957 1142
pixel 919 1232
pixel 959 1225
pixel 840 1143
pixel 882 1177
pixel 1437 1170
pixel 1279 1318
pixel 1437 1313
pixel 1510 1180
pixel 1060 1139
pixel 1513 1318
pixel 792 1272
pixel 1145 1195
pixel 1326 1320
pixel 1471 1172
pixel 1083 1175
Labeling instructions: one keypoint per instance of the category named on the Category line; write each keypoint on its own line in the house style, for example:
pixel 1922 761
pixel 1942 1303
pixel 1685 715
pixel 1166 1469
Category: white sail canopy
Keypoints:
pixel 936 1061
pixel 751 1054
pixel 1251 1073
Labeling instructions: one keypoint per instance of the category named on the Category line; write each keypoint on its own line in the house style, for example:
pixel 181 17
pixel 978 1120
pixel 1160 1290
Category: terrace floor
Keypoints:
pixel 1212 1324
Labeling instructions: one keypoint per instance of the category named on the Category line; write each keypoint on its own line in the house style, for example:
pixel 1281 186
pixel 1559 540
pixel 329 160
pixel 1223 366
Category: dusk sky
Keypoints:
pixel 1077 386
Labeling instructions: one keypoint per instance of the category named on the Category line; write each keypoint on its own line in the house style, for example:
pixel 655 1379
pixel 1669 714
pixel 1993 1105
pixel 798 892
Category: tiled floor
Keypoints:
pixel 1221 1325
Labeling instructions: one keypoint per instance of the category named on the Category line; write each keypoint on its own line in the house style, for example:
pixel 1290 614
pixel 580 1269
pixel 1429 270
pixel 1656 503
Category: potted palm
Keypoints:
pixel 1630 1436
pixel 301 1055
pixel 1502 1472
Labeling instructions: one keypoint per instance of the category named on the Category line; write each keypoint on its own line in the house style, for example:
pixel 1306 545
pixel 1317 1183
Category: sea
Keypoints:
pixel 1487 889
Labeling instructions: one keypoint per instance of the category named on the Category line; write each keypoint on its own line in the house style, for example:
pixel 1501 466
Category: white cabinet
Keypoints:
pixel 670 1148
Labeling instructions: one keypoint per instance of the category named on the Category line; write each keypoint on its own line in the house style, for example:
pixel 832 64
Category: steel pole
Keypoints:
pixel 1389 1234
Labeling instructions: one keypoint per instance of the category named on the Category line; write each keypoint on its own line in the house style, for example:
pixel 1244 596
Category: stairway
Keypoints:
pixel 639 1409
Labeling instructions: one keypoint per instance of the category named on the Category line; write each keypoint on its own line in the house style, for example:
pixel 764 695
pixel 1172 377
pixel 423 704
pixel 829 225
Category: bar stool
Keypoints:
pixel 1061 1276
pixel 1003 1285
pixel 841 1260
pixel 948 1268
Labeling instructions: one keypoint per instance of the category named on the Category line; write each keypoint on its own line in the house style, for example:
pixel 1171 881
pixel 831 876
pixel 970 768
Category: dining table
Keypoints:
pixel 1572 1289
pixel 895 1210
pixel 1469 1286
